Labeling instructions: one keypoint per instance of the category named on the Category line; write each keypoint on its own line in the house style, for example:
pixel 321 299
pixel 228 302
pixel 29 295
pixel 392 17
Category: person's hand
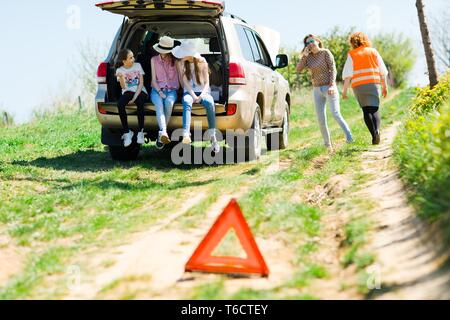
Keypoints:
pixel 344 95
pixel 384 92
pixel 197 99
pixel 162 95
pixel 132 100
pixel 120 77
pixel 331 91
pixel 306 52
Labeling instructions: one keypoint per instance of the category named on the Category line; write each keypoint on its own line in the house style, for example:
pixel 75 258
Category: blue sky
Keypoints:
pixel 40 37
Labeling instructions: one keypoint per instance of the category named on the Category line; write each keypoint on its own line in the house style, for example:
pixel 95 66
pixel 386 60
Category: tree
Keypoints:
pixel 441 37
pixel 336 40
pixel 429 53
pixel 6 119
pixel 84 66
pixel 296 80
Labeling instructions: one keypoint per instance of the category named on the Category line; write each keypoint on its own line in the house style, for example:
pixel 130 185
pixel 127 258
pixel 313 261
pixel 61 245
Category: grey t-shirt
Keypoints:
pixel 132 77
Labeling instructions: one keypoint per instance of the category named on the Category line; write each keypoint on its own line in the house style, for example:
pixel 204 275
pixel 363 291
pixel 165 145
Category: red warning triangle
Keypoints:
pixel 202 260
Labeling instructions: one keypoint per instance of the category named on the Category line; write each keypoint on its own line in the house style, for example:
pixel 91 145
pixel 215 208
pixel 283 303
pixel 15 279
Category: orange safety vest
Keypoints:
pixel 365 66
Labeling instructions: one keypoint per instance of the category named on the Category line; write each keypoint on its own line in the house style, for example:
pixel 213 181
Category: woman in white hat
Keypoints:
pixel 165 84
pixel 194 73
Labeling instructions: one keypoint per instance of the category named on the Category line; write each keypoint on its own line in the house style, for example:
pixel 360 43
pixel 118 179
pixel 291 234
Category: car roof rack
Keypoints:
pixel 227 14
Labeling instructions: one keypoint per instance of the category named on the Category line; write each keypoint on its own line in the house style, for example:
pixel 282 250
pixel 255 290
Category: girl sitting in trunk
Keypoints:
pixel 131 78
pixel 195 78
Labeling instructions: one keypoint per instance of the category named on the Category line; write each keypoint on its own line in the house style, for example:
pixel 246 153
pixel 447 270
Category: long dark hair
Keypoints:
pixel 315 38
pixel 197 65
pixel 123 55
pixel 187 70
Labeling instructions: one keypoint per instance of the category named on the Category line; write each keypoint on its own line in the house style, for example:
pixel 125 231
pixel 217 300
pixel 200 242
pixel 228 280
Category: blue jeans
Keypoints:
pixel 163 107
pixel 321 96
pixel 207 102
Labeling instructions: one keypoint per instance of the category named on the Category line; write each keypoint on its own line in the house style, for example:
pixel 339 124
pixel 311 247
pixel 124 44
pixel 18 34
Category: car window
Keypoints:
pixel 265 57
pixel 245 44
pixel 201 44
pixel 254 46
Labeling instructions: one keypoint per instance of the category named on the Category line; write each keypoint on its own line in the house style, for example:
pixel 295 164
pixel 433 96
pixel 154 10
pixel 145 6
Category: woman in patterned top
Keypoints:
pixel 321 63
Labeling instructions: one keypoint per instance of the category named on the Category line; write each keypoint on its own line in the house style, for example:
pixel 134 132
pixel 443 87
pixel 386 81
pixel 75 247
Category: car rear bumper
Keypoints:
pixel 109 117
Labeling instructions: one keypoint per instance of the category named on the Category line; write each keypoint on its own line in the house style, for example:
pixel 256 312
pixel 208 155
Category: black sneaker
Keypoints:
pixel 376 140
pixel 159 144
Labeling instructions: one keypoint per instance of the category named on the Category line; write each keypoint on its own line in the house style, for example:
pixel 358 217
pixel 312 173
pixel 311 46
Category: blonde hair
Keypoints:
pixel 359 39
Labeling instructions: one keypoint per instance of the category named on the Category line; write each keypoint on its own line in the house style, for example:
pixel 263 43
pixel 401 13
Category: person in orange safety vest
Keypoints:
pixel 366 72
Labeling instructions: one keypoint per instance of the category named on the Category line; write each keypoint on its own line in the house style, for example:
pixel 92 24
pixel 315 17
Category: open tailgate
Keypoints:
pixel 149 8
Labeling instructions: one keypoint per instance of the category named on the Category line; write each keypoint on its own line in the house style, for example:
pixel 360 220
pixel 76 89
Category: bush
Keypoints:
pixel 398 55
pixel 428 100
pixel 422 150
pixel 296 80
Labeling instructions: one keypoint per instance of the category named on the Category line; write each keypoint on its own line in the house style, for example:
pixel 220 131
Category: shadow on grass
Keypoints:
pixel 96 161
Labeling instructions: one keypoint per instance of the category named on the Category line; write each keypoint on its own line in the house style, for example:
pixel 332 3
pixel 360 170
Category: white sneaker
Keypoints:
pixel 141 137
pixel 186 139
pixel 215 146
pixel 127 138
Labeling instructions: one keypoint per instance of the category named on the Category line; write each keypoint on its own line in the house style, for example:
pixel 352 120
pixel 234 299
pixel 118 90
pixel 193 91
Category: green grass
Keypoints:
pixel 422 151
pixel 62 195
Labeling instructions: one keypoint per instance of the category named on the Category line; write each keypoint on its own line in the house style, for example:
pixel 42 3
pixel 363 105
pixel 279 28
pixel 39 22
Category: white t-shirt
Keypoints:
pixel 348 67
pixel 132 77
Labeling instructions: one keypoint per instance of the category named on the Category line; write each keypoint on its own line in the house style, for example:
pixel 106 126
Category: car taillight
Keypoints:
pixel 231 109
pixel 102 72
pixel 237 74
pixel 102 110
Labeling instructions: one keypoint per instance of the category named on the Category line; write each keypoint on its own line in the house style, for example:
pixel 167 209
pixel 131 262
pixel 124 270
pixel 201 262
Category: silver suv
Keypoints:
pixel 248 91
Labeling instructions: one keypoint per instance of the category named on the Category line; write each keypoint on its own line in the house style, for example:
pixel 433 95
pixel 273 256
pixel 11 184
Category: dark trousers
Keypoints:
pixel 372 119
pixel 123 102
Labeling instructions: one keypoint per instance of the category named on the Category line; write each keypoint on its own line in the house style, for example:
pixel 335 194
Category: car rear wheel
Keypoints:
pixel 254 139
pixel 122 153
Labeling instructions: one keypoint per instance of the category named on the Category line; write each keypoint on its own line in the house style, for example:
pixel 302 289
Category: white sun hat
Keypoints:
pixel 165 45
pixel 186 49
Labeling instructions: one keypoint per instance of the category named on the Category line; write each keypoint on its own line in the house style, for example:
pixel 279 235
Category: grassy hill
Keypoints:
pixel 63 197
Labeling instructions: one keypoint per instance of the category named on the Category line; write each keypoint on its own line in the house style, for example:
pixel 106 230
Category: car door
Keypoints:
pixel 272 80
pixel 263 74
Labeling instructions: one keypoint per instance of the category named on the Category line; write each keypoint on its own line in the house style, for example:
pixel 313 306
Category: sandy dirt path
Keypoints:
pixel 409 251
